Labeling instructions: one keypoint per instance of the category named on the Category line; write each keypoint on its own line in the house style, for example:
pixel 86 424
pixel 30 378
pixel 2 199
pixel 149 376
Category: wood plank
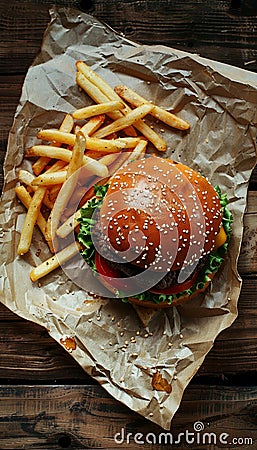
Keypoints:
pixel 247 262
pixel 82 417
pixel 201 27
pixel 20 36
pixel 10 88
pixel 252 202
pixel 30 354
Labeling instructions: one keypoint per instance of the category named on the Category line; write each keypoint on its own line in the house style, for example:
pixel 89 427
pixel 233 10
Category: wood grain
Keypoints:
pixel 86 417
pixel 212 30
pixel 35 410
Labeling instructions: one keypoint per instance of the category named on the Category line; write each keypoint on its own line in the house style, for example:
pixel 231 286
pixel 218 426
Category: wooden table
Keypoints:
pixel 46 399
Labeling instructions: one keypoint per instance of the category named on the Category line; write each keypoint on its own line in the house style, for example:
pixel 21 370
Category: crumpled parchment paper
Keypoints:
pixel 106 337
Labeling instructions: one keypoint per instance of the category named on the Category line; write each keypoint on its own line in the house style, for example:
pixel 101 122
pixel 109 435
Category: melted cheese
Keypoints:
pixel 220 238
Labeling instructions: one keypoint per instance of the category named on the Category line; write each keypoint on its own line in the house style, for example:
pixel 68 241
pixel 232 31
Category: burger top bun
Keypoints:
pixel 160 214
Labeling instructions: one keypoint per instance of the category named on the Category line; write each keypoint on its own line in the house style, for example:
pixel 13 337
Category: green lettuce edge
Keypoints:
pixel 215 260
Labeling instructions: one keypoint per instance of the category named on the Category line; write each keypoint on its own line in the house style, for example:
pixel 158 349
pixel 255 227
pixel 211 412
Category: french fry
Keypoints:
pixel 25 198
pixel 129 142
pixel 131 118
pixel 93 124
pixel 41 163
pixel 105 88
pixel 67 123
pixel 55 261
pixel 53 191
pixel 95 92
pixel 95 167
pixel 99 97
pixel 97 80
pixel 69 225
pixel 97 88
pixel 49 179
pixel 82 189
pixel 27 178
pixel 138 151
pixel 64 154
pixel 76 161
pixel 30 220
pixel 109 159
pixel 92 143
pixel 58 165
pixel 58 136
pixel 151 135
pixel 94 110
pixel 72 173
pixel 47 201
pixel 159 113
pixel 105 145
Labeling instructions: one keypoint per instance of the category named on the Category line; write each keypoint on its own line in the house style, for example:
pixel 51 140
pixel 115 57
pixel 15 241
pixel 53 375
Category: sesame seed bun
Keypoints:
pixel 162 214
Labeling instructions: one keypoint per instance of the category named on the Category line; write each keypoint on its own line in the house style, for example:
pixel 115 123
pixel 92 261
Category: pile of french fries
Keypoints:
pixel 98 140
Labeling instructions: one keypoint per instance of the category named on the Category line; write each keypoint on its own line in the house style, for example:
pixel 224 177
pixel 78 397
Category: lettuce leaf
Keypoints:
pixel 86 224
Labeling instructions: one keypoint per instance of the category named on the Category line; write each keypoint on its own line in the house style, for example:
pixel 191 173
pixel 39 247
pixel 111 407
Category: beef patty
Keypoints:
pixel 128 270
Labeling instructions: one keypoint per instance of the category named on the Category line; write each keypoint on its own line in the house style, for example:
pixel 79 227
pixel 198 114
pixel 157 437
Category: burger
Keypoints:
pixel 156 234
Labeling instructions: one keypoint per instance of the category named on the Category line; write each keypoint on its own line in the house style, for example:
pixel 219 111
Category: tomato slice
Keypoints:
pixel 104 269
pixel 180 287
pixel 108 276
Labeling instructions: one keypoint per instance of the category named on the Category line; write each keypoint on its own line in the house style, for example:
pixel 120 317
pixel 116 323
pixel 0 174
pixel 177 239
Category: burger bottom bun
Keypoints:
pixel 179 301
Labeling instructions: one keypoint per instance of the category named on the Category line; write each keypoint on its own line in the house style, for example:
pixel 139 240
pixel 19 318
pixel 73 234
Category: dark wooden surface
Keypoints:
pixel 46 400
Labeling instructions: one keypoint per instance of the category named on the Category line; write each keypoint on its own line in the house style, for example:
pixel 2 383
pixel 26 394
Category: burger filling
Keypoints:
pixel 168 288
